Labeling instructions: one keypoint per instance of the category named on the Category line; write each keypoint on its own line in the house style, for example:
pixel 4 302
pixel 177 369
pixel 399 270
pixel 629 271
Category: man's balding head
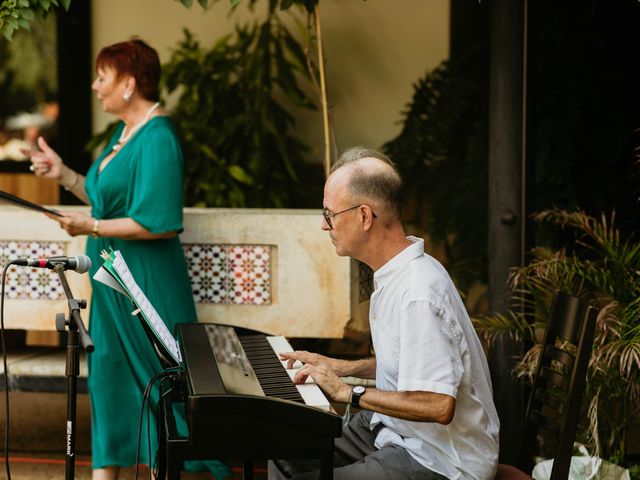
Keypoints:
pixel 372 178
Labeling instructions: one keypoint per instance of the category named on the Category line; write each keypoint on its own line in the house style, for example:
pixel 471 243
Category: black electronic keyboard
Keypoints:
pixel 241 403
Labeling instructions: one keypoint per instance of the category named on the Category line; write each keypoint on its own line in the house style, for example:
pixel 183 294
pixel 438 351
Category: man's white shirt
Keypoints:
pixel 424 340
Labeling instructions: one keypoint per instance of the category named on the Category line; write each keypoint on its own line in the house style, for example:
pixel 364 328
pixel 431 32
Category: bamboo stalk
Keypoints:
pixel 323 92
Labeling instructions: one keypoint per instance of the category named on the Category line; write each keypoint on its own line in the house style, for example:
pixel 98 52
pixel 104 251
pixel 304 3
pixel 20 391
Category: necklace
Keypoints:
pixel 126 134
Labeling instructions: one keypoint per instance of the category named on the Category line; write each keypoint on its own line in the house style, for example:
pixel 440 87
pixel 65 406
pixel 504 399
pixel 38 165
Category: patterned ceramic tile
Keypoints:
pixel 31 283
pixel 230 274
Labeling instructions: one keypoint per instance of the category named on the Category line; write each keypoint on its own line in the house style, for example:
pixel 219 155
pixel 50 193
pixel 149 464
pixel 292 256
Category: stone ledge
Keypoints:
pixel 41 369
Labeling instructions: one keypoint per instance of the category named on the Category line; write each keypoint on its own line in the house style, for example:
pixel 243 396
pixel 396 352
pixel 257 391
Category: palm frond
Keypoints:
pixel 526 368
pixel 592 415
pixel 513 324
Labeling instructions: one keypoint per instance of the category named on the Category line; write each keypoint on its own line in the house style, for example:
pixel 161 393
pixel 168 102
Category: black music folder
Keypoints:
pixel 21 202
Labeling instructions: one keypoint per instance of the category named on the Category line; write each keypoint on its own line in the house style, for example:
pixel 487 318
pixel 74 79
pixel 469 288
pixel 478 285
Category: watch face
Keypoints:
pixel 359 390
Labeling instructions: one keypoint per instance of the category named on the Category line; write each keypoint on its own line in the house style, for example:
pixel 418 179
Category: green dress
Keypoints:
pixel 144 181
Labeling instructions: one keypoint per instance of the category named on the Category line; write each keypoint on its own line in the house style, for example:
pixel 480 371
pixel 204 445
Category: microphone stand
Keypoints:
pixel 76 330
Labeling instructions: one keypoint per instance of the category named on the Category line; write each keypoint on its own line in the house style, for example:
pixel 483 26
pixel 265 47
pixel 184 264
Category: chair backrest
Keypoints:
pixel 559 382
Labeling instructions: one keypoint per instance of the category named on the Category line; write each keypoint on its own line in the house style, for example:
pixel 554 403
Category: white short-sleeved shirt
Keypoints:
pixel 424 340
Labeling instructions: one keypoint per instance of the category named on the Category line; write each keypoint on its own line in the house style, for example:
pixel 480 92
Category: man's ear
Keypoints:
pixel 366 216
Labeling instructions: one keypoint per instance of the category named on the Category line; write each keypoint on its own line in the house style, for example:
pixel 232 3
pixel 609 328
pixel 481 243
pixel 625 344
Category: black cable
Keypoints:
pixel 163 394
pixel 146 397
pixel 149 465
pixel 6 375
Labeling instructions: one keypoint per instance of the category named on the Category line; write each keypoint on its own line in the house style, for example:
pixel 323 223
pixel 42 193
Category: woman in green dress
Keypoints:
pixel 135 189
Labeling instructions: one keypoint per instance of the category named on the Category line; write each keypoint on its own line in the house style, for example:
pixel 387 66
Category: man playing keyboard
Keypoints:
pixel 431 415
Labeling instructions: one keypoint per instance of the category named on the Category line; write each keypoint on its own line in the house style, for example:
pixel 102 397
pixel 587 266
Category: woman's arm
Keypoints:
pixel 77 223
pixel 73 182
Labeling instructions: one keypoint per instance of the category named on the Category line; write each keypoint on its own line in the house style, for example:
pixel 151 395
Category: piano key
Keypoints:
pixel 312 395
pixel 310 392
pixel 273 379
pixel 280 345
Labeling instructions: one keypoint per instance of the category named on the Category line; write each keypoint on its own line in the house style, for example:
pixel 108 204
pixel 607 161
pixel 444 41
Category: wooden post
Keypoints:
pixel 506 161
pixel 323 92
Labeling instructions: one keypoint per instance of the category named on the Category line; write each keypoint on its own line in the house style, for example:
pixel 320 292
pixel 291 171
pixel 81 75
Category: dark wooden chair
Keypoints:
pixel 558 387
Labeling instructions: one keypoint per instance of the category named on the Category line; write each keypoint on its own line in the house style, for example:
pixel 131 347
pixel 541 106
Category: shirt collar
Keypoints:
pixel 398 263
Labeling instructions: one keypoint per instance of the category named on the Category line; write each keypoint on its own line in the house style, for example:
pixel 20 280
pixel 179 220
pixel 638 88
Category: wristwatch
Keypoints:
pixel 356 393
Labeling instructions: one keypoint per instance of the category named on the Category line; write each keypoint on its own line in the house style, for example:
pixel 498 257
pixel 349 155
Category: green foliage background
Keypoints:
pixel 233 120
pixel 28 68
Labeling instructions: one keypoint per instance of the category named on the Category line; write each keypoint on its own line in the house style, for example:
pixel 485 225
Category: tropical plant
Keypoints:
pixel 232 118
pixel 442 152
pixel 604 269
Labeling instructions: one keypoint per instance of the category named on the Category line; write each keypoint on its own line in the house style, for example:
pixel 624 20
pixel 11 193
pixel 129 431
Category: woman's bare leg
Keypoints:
pixel 108 473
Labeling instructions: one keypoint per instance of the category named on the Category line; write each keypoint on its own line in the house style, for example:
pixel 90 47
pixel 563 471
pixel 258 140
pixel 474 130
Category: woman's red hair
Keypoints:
pixel 135 58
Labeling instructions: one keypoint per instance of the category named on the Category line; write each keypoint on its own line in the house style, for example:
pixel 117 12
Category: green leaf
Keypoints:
pixel 7 31
pixel 234 3
pixel 239 174
pixel 186 3
pixel 66 4
pixel 204 3
pixel 27 14
pixel 12 23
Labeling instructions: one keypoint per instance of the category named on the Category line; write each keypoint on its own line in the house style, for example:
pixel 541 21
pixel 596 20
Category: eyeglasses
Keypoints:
pixel 328 216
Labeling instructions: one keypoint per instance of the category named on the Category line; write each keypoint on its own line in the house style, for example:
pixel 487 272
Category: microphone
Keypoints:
pixel 80 263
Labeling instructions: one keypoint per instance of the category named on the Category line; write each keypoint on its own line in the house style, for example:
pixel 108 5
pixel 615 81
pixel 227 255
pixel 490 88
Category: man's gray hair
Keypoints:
pixel 382 185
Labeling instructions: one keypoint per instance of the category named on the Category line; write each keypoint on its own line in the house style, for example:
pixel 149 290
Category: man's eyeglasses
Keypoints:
pixel 329 216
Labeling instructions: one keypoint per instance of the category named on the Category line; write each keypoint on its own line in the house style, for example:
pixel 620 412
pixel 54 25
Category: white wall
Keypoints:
pixel 375 50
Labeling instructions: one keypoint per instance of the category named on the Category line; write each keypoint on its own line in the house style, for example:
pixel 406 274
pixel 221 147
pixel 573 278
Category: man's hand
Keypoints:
pixel 326 379
pixel 308 358
pixel 325 372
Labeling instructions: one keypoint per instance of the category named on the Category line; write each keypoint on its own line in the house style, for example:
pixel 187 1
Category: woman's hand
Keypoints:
pixel 75 223
pixel 45 162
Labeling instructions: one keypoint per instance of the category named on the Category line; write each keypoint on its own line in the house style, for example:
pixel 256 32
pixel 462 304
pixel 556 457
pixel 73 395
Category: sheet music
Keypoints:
pixel 148 310
pixel 115 273
pixel 103 276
